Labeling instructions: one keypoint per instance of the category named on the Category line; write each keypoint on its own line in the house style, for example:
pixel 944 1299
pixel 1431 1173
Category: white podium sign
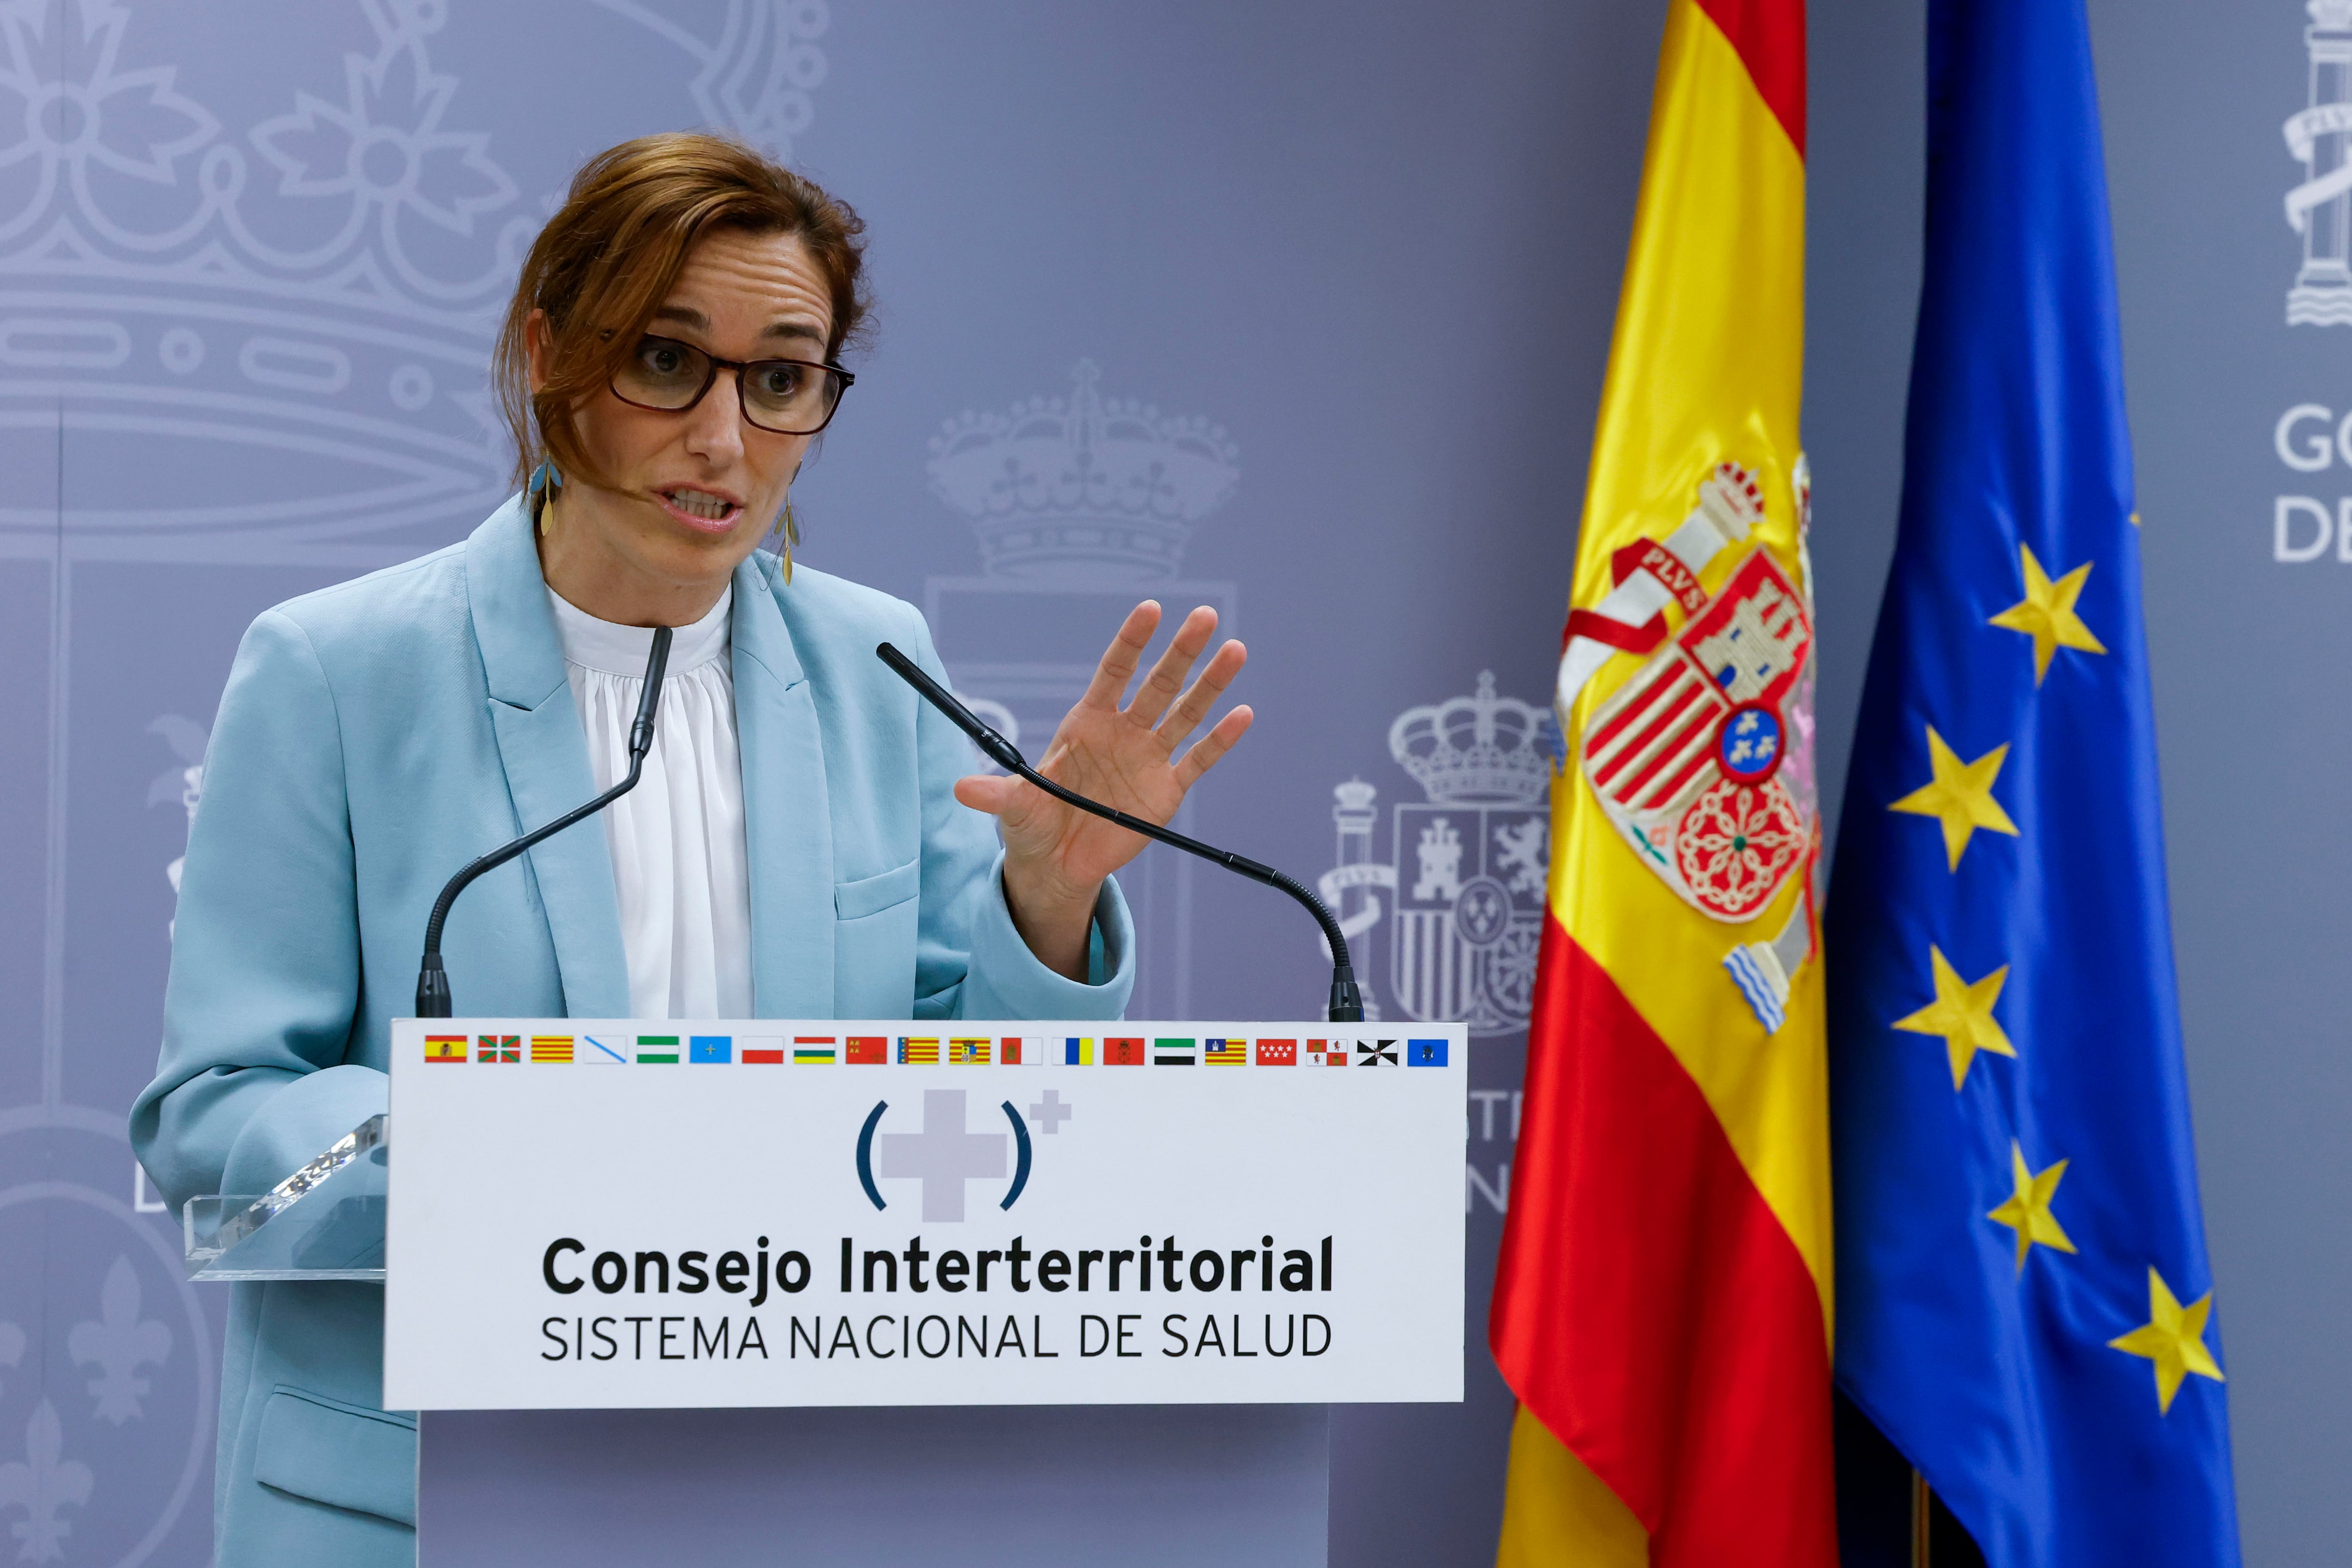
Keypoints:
pixel 775 1213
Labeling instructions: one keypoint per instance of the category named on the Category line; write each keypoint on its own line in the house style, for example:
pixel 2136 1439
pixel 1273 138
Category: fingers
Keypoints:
pixel 1210 748
pixel 990 792
pixel 1121 659
pixel 1167 677
pixel 1194 707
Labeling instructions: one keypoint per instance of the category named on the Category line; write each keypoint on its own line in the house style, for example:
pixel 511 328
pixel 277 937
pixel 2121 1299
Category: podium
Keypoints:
pixel 967 1296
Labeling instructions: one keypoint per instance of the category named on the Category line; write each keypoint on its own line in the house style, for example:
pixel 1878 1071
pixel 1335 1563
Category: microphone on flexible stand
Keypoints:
pixel 1347 1001
pixel 432 981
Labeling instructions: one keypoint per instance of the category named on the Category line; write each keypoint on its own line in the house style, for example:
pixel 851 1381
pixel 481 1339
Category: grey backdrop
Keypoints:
pixel 1348 269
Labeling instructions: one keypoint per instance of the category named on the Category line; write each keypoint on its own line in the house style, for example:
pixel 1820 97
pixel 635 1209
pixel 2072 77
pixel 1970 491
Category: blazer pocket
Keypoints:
pixel 339 1454
pixel 872 894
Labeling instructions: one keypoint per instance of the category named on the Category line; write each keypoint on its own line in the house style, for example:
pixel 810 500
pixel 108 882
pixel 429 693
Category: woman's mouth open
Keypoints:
pixel 702 510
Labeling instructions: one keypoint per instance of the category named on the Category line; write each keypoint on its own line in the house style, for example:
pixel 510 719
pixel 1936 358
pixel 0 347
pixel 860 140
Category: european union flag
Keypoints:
pixel 2025 1306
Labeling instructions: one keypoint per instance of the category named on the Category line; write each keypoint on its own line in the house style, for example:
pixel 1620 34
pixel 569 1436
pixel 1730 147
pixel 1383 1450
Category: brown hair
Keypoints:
pixel 607 260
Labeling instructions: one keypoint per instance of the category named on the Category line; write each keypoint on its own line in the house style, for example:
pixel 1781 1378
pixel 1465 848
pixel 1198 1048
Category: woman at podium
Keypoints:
pixel 803 843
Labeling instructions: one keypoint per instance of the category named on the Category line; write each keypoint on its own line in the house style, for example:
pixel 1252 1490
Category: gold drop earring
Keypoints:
pixel 544 482
pixel 788 527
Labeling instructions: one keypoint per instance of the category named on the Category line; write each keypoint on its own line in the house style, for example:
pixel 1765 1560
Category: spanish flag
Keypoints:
pixel 1662 1306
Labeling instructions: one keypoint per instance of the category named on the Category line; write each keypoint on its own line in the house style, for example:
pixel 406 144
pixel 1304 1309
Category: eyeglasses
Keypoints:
pixel 785 397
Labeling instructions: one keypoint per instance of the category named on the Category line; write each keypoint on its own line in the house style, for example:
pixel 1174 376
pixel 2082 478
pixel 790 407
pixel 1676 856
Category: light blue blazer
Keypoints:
pixel 376 736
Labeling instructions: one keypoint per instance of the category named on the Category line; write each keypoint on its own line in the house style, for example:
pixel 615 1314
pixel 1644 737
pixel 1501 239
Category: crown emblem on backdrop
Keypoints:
pixel 1477 748
pixel 2318 208
pixel 1083 487
pixel 305 267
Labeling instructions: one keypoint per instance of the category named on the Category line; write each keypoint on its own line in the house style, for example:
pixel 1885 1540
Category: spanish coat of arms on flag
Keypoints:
pixel 1685 757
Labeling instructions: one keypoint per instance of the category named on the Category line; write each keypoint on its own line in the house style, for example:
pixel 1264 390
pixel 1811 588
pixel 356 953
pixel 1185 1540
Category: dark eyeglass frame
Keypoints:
pixel 740 367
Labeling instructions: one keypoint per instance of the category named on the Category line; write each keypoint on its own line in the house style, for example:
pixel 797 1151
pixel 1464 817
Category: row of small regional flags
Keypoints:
pixel 957 1051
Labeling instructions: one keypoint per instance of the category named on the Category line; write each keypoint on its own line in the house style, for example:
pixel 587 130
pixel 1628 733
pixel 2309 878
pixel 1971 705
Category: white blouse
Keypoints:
pixel 679 864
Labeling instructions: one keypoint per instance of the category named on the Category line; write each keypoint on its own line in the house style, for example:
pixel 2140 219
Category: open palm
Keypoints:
pixel 1055 856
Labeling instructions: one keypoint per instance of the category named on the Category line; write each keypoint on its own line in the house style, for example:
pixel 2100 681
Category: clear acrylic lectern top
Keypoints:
pixel 323 1222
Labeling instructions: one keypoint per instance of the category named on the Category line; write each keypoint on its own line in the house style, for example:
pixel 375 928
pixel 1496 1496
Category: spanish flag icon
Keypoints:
pixel 444 1047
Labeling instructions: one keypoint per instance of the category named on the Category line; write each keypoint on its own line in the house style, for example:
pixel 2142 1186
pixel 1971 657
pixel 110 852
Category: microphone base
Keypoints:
pixel 433 999
pixel 1347 1001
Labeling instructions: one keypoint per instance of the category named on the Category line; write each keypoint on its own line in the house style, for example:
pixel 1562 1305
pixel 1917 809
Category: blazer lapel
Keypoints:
pixel 545 754
pixel 787 824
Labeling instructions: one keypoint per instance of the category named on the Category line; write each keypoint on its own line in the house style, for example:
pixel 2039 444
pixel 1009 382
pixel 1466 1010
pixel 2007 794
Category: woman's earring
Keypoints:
pixel 544 482
pixel 789 528
pixel 788 525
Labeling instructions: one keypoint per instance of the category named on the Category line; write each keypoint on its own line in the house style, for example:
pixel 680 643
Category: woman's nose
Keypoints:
pixel 715 427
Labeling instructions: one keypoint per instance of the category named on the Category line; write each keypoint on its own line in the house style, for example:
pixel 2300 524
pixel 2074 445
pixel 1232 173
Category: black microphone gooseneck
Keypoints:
pixel 1347 1001
pixel 432 980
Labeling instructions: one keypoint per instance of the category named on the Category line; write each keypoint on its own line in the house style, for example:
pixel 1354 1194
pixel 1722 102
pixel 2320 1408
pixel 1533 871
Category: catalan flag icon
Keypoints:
pixel 968 1051
pixel 809 1050
pixel 1424 1053
pixel 499 1047
pixel 444 1047
pixel 1227 1053
pixel 1076 1052
pixel 550 1048
pixel 918 1052
pixel 868 1050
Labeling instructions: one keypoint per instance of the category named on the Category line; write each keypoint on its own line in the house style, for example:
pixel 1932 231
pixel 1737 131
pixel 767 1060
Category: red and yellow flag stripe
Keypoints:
pixel 1663 1305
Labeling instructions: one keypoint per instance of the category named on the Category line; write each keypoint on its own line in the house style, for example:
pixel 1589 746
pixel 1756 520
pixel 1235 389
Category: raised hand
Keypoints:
pixel 1056 856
